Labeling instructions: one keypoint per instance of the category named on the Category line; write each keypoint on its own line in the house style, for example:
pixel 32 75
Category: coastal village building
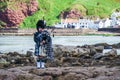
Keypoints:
pixel 118 21
pixel 85 23
pixel 113 18
pixel 111 22
pixel 107 23
pixel 98 24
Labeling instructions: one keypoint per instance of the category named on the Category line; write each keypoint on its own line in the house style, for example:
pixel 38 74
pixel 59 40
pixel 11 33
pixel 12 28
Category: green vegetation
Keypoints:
pixel 11 4
pixel 101 8
pixel 2 24
pixel 51 9
pixel 3 5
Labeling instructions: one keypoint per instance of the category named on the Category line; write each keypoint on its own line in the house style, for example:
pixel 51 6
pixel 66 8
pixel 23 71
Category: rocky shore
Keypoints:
pixel 61 73
pixel 71 63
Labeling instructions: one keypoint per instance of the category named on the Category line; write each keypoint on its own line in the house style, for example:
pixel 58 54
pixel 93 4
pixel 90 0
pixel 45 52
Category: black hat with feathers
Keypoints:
pixel 40 24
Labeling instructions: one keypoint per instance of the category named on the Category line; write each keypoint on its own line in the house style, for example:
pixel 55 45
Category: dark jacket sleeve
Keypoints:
pixel 35 37
pixel 48 36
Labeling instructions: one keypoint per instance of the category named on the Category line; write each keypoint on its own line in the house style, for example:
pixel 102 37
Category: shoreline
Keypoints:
pixel 59 32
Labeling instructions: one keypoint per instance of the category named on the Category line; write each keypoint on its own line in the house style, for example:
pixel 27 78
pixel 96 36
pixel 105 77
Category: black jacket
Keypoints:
pixel 40 36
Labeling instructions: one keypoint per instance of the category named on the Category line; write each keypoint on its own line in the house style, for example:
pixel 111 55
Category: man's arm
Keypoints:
pixel 35 37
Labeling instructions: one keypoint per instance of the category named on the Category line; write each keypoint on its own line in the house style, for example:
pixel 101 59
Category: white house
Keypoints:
pixel 87 23
pixel 91 24
pixel 107 23
pixel 59 25
pixel 98 24
pixel 114 19
pixel 101 24
pixel 118 22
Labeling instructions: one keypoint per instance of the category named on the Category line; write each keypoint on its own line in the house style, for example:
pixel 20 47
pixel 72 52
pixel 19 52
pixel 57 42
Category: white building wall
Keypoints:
pixel 114 20
pixel 100 25
pixel 118 22
pixel 107 23
pixel 86 23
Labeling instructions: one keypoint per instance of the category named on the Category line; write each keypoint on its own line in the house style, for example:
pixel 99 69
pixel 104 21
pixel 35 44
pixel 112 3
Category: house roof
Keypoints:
pixel 97 22
pixel 103 21
pixel 69 20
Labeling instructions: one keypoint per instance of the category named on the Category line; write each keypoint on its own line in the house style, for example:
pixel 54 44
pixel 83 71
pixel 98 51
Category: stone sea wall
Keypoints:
pixel 110 29
pixel 55 32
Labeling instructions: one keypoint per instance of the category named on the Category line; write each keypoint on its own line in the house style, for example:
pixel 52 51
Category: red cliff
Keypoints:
pixel 13 18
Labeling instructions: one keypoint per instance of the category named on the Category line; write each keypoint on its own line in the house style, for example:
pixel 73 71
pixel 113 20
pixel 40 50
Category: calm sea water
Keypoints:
pixel 24 43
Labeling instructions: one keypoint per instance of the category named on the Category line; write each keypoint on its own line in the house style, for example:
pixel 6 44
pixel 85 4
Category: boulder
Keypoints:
pixel 116 45
pixel 102 44
pixel 2 60
pixel 55 63
pixel 98 56
pixel 82 52
pixel 112 53
pixel 29 54
pixel 57 51
pixel 11 54
pixel 99 49
pixel 69 76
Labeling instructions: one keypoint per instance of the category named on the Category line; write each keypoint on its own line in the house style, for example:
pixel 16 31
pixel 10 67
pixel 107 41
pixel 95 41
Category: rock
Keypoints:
pixel 116 46
pixel 55 63
pixel 108 47
pixel 66 54
pixel 98 56
pixel 57 52
pixel 102 44
pixel 95 74
pixel 3 61
pixel 76 63
pixel 112 53
pixel 23 77
pixel 31 60
pixel 70 76
pixel 69 59
pixel 71 14
pixel 109 73
pixel 99 49
pixel 81 56
pixel 29 54
pixel 92 51
pixel 15 54
pixel 82 52
pixel 47 78
pixel 13 18
pixel 60 73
